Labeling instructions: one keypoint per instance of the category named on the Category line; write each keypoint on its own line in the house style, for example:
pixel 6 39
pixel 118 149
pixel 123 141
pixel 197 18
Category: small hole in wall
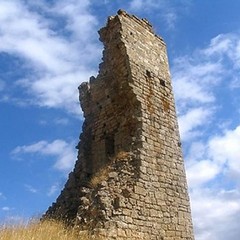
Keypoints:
pixel 131 33
pixel 88 175
pixel 108 96
pixel 148 73
pixel 162 82
pixel 109 145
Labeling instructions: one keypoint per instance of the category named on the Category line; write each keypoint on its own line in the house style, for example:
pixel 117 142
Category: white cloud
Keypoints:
pixel 225 45
pixel 35 41
pixel 235 83
pixel 220 44
pixel 202 172
pixel 190 121
pixel 79 20
pixel 216 214
pixel 62 92
pixel 6 209
pixel 136 4
pixel 196 151
pixel 30 188
pixel 193 80
pixel 55 68
pixel 196 81
pixel 167 10
pixel 213 176
pixel 2 196
pixel 225 149
pixel 61 121
pixel 196 77
pixel 191 90
pixel 220 154
pixel 53 190
pixel 170 18
pixel 64 152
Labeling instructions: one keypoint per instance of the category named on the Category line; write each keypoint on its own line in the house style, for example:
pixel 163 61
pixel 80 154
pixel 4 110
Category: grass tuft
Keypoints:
pixel 103 172
pixel 100 176
pixel 46 230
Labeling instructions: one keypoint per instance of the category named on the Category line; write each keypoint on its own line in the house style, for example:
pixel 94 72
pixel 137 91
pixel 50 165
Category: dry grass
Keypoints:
pixel 47 230
pixel 102 174
pixel 122 155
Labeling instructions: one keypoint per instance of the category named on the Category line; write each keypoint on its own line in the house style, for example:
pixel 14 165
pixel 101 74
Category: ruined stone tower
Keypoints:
pixel 129 181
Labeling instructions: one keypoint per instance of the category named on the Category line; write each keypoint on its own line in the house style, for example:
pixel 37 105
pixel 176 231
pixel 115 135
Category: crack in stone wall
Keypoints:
pixel 129 180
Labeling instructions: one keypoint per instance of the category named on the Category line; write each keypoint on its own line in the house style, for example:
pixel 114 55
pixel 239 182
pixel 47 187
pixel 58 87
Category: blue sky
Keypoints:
pixel 47 48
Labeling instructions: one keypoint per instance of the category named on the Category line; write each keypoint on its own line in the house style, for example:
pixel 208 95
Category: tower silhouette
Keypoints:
pixel 129 180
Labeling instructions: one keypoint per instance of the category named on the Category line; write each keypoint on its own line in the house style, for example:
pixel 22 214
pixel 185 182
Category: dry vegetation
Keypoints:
pixel 103 172
pixel 47 230
pixel 100 176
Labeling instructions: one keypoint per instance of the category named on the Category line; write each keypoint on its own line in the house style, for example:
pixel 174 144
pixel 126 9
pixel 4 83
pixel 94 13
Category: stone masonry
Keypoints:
pixel 129 180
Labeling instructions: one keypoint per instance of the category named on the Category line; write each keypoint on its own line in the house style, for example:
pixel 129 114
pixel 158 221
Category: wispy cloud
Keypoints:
pixel 136 4
pixel 2 196
pixel 6 209
pixel 225 45
pixel 235 82
pixel 58 121
pixel 202 172
pixel 197 77
pixel 193 79
pixel 219 207
pixel 190 121
pixel 61 121
pixel 53 189
pixel 167 10
pixel 63 152
pixel 30 188
pixel 54 67
pixel 224 149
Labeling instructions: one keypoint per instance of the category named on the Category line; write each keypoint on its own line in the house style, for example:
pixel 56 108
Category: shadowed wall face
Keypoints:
pixel 129 181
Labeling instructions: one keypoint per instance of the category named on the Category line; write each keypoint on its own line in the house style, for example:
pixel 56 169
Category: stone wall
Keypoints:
pixel 129 181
